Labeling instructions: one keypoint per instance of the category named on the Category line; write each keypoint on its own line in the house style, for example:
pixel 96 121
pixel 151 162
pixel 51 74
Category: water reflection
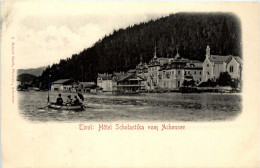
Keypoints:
pixel 144 107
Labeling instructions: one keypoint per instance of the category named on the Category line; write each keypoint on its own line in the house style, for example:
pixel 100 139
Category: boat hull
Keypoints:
pixel 58 107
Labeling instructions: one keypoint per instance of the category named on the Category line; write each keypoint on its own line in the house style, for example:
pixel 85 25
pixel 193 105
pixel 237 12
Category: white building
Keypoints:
pixel 64 85
pixel 105 81
pixel 213 65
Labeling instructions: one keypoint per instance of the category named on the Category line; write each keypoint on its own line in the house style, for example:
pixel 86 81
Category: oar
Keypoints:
pixel 60 107
pixel 42 107
pixel 88 106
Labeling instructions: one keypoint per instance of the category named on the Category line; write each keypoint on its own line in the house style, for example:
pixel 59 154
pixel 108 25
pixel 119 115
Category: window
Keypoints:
pixel 207 65
pixel 231 69
pixel 194 72
pixel 179 72
pixel 208 72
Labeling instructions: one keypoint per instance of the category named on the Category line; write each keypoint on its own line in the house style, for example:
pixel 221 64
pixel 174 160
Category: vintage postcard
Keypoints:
pixel 129 84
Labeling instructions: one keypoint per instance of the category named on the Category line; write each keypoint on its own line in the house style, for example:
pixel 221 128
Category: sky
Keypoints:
pixel 44 33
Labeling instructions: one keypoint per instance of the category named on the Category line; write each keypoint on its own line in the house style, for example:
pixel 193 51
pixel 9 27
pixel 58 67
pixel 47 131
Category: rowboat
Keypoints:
pixel 59 107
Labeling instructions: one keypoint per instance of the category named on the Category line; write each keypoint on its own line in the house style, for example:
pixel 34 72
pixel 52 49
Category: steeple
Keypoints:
pixel 207 52
pixel 155 56
pixel 177 55
pixel 141 59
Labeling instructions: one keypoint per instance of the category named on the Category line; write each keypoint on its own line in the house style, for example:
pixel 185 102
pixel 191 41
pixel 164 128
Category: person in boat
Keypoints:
pixel 59 100
pixel 81 96
pixel 69 100
pixel 76 101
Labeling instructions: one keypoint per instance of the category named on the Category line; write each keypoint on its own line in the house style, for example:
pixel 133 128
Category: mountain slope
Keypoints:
pixel 32 71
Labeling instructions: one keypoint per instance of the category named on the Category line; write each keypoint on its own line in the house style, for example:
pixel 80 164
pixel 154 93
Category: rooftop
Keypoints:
pixel 87 84
pixel 218 58
pixel 105 76
pixel 128 76
pixel 62 81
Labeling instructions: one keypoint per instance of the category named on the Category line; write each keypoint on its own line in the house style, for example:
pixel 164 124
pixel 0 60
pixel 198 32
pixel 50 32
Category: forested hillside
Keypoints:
pixel 121 50
pixel 26 78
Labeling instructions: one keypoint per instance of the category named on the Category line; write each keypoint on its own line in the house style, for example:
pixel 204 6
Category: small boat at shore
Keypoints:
pixel 59 107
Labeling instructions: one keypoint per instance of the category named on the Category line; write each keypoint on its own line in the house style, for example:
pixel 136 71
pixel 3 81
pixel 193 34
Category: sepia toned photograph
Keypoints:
pixel 176 66
pixel 129 84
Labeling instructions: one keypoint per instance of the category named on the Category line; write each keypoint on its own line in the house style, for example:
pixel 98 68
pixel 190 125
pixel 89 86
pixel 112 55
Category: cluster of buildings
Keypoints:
pixel 71 85
pixel 121 82
pixel 159 74
pixel 170 73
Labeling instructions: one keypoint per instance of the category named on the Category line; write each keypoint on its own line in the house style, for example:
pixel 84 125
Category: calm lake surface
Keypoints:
pixel 143 107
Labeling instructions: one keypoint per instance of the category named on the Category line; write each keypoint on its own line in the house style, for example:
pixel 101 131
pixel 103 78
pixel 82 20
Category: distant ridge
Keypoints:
pixel 32 71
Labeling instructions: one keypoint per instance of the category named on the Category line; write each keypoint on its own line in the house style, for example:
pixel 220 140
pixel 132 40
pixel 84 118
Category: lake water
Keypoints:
pixel 143 107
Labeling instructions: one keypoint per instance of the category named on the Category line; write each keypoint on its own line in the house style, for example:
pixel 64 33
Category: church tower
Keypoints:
pixel 207 52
